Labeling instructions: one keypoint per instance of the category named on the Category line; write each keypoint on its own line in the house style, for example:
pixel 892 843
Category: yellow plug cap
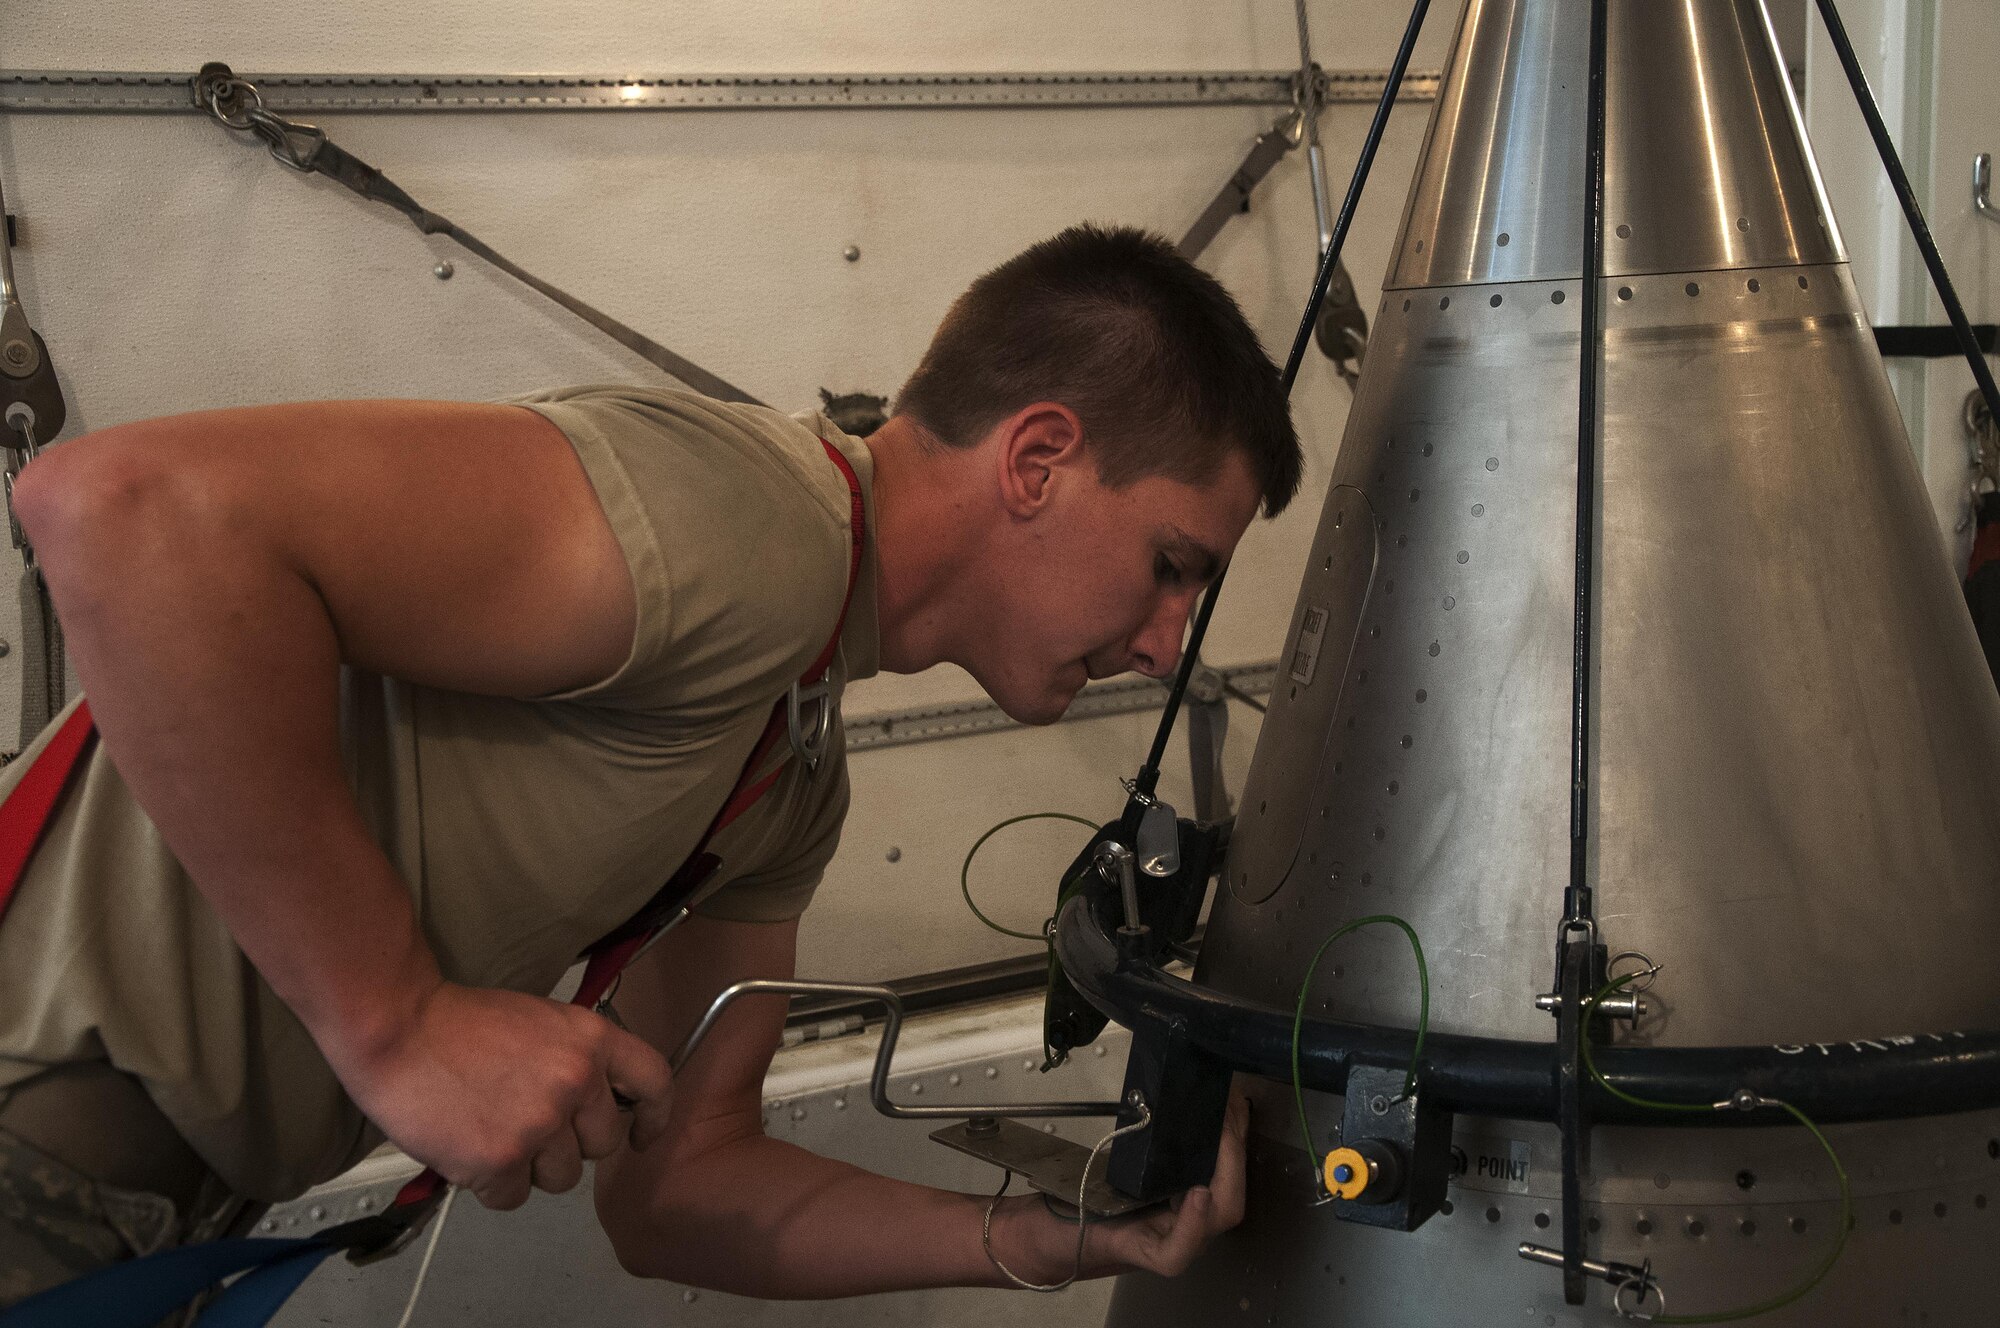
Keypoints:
pixel 1347 1173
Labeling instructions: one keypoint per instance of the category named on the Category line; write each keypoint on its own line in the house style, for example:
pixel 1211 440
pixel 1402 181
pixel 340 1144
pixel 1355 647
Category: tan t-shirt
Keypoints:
pixel 526 828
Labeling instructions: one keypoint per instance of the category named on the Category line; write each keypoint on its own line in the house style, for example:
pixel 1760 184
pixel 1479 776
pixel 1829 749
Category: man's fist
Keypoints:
pixel 502 1093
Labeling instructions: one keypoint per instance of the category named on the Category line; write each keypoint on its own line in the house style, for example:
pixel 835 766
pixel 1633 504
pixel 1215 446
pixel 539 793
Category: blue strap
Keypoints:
pixel 255 1298
pixel 138 1293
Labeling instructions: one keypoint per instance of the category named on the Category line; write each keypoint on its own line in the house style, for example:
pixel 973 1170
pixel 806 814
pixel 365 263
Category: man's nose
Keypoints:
pixel 1156 649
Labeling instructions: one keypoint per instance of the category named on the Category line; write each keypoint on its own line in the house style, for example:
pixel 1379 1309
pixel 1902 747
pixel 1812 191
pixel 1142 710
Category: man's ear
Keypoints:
pixel 1036 446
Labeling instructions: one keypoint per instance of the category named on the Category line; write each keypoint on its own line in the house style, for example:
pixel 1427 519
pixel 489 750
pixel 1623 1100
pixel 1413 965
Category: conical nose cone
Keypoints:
pixel 1705 162
pixel 1791 716
pixel 1789 792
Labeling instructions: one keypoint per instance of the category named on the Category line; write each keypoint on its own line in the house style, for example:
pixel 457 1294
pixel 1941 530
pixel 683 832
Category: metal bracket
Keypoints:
pixel 1189 1090
pixel 1580 964
pixel 1406 1141
pixel 1982 187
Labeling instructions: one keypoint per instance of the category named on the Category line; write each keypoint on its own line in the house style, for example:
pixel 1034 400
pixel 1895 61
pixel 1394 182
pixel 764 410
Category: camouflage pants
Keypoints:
pixel 57 1223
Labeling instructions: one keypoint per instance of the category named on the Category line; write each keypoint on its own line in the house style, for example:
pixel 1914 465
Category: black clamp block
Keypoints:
pixel 1395 1154
pixel 1187 1091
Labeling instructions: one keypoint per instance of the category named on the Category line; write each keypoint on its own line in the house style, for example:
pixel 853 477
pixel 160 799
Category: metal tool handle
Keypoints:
pixel 878 1083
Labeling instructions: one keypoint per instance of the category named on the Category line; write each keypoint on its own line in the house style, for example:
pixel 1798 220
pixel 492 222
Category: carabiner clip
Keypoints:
pixel 811 747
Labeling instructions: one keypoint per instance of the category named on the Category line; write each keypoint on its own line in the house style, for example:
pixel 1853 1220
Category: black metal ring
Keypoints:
pixel 1862 1080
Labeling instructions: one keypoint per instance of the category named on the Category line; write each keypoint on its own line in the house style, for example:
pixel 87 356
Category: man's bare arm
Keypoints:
pixel 719 1205
pixel 212 572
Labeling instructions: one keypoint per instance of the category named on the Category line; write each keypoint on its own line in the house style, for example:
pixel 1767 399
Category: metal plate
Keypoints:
pixel 1046 1161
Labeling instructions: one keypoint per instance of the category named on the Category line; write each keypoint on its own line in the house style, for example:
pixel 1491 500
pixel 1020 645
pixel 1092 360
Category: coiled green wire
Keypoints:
pixel 1299 1019
pixel 1826 1262
pixel 965 871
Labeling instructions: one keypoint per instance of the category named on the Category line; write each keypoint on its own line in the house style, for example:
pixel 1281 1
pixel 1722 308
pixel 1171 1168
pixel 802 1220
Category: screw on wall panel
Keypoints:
pixel 5 649
pixel 894 854
pixel 444 270
pixel 1379 1104
pixel 852 253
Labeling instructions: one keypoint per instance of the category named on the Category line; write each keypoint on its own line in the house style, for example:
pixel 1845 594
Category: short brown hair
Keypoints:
pixel 1151 352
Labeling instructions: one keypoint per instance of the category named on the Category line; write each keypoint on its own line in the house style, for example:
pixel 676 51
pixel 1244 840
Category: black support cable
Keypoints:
pixel 1919 229
pixel 1577 905
pixel 1148 777
pixel 1576 937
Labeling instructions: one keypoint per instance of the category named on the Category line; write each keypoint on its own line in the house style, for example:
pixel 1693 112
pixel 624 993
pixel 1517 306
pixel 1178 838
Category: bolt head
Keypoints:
pixel 444 270
pixel 18 353
pixel 852 253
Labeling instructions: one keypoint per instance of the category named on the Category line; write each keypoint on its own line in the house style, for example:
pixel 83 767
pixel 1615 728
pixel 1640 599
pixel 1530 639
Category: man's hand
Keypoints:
pixel 1040 1247
pixel 500 1092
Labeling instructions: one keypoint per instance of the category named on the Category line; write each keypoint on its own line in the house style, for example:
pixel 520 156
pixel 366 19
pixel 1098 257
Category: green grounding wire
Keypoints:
pixel 1299 1019
pixel 1050 1059
pixel 1846 1221
pixel 965 871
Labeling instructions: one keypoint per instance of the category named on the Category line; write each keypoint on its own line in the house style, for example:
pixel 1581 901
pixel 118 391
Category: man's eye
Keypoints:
pixel 1167 570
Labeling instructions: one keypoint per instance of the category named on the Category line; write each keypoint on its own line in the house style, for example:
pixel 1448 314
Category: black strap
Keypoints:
pixel 1931 343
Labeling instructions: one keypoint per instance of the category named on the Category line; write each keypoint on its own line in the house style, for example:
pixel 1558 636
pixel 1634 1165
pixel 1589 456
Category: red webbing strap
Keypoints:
pixel 607 959
pixel 29 808
pixel 858 525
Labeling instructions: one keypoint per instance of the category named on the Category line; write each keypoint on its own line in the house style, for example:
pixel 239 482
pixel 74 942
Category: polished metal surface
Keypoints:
pixel 1415 761
pixel 71 90
pixel 1926 1208
pixel 1794 714
pixel 1705 163
pixel 1790 799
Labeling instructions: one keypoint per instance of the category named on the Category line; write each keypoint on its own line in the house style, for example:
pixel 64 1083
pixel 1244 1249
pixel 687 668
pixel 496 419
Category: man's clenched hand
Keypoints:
pixel 502 1093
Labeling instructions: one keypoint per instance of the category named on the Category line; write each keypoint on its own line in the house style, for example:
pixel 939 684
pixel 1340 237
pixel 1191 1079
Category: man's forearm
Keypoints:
pixel 760 1217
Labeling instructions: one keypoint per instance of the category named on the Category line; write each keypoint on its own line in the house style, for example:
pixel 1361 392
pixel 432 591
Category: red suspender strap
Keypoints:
pixel 609 956
pixel 27 811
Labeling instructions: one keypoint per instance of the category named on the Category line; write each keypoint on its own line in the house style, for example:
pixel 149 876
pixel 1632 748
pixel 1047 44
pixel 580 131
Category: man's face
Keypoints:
pixel 1102 581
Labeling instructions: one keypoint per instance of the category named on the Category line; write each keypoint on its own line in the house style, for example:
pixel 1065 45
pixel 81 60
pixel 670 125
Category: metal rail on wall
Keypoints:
pixel 83 90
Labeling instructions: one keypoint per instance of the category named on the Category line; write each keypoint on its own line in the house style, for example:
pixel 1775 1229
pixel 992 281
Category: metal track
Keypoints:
pixel 927 723
pixel 72 90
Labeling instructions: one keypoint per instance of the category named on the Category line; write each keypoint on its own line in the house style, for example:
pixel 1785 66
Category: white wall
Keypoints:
pixel 172 269
pixel 1934 66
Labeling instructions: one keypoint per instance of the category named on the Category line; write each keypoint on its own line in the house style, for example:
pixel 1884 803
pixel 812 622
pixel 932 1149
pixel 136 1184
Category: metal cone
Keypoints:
pixel 1792 798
